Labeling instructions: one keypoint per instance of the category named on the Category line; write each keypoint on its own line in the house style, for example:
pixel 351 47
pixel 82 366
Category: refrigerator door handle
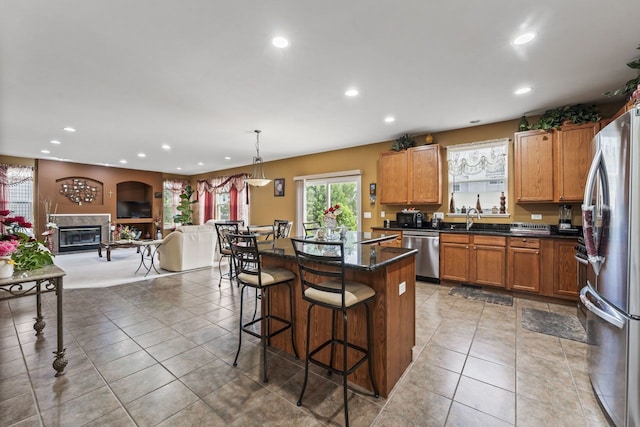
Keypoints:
pixel 592 240
pixel 601 308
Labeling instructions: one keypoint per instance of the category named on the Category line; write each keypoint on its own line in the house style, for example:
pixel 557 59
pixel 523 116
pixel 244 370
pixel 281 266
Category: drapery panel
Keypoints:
pixel 238 196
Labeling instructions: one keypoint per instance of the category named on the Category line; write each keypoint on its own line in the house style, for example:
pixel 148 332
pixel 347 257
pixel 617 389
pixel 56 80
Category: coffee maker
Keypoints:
pixel 564 218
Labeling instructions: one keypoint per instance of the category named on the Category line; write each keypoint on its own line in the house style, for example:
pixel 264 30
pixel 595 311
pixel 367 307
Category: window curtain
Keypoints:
pixel 234 185
pixel 18 175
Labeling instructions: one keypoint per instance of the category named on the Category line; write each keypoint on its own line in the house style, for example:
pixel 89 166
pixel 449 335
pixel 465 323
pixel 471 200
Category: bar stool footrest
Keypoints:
pixel 337 371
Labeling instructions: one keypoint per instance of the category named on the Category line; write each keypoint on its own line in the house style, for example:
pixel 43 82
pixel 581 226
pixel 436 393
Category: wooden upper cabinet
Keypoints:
pixel 573 158
pixel 534 166
pixel 393 172
pixel 424 174
pixel 411 176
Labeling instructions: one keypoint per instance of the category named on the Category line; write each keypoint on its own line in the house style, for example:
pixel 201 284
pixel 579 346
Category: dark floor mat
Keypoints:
pixel 557 325
pixel 480 295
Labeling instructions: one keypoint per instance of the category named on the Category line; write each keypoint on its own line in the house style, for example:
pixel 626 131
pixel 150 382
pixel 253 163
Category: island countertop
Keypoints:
pixel 362 250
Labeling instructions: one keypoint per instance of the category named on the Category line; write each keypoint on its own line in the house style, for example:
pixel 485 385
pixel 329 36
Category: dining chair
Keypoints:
pixel 251 274
pixel 282 228
pixel 262 232
pixel 222 229
pixel 321 269
pixel 310 228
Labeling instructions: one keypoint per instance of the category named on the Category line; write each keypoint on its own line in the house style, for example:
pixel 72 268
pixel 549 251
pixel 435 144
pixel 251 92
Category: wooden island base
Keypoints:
pixel 393 319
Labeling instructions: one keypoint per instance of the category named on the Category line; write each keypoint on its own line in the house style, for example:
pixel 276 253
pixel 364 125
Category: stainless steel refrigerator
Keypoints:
pixel 611 224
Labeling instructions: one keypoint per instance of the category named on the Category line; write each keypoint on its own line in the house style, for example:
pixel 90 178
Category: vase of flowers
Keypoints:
pixel 7 248
pixel 126 233
pixel 29 253
pixel 330 218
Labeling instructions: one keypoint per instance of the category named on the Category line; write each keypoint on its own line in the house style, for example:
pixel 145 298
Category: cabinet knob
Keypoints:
pixel 544 138
pixel 537 252
pixel 524 240
pixel 466 247
pixel 475 248
pixel 560 197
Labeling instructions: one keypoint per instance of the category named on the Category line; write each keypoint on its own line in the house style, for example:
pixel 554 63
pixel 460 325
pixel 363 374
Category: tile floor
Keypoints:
pixel 159 352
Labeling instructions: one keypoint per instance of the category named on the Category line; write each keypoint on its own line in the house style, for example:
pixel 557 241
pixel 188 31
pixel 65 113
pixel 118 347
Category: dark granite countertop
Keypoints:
pixel 358 254
pixel 486 229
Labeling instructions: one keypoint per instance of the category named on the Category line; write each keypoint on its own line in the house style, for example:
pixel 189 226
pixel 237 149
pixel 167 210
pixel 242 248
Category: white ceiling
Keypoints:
pixel 201 75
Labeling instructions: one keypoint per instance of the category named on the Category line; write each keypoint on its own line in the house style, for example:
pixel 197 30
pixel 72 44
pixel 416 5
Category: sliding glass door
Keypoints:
pixel 320 194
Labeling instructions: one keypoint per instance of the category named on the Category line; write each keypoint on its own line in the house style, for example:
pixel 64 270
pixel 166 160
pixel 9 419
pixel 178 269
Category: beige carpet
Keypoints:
pixel 87 270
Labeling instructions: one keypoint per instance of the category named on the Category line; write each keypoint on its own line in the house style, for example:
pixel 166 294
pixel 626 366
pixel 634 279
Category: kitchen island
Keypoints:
pixel 390 272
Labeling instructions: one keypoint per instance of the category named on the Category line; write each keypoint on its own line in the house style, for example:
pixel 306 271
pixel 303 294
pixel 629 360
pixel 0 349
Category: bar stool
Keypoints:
pixel 250 273
pixel 322 277
pixel 222 229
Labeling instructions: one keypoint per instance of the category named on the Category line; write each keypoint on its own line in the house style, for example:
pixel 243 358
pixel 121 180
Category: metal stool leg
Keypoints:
pixel 235 361
pixel 306 362
pixel 293 341
pixel 344 368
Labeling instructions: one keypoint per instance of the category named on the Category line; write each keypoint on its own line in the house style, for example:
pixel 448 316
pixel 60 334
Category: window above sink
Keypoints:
pixel 478 170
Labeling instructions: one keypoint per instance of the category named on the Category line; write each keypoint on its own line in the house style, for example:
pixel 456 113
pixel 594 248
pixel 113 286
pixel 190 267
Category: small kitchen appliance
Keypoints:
pixel 564 217
pixel 409 219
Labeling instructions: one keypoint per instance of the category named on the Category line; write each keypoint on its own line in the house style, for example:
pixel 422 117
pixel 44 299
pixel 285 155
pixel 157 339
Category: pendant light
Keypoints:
pixel 257 178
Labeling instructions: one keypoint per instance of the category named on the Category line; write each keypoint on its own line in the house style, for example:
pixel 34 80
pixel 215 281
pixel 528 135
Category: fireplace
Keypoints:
pixel 84 236
pixel 78 238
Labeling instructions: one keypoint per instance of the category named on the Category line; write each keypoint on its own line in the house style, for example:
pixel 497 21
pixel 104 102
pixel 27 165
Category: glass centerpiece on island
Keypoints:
pixel 330 218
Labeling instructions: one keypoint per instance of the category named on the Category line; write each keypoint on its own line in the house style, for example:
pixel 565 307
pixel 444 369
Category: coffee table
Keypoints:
pixel 109 246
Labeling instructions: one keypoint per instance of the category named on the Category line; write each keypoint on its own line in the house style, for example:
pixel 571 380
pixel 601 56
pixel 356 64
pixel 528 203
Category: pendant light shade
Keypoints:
pixel 257 178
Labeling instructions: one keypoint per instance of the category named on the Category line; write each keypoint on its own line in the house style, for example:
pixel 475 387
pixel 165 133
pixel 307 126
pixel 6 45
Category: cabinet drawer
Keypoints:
pixel 454 238
pixel 490 240
pixel 524 242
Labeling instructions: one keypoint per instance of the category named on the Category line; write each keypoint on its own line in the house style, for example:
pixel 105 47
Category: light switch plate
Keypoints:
pixel 536 216
pixel 367 214
pixel 382 214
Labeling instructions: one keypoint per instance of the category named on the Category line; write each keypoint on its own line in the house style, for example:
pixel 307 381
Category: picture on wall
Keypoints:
pixel 278 187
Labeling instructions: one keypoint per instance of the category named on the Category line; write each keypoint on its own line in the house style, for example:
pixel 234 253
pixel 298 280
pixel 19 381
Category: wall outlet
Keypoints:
pixel 402 288
pixel 367 214
pixel 382 214
pixel 536 216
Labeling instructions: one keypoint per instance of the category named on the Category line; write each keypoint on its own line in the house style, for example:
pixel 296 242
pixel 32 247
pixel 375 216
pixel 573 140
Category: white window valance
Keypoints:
pixel 474 158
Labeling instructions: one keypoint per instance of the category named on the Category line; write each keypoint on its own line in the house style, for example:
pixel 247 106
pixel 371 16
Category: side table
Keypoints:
pixel 146 246
pixel 37 282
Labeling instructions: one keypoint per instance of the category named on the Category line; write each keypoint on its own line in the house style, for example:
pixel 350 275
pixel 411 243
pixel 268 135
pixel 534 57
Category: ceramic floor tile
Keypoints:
pixel 491 373
pixel 188 361
pixel 160 404
pixel 486 398
pixel 140 383
pixel 17 408
pixel 442 357
pixel 465 416
pixel 83 409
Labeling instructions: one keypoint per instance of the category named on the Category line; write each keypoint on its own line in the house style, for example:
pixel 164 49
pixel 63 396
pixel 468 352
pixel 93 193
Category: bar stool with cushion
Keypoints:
pixel 250 273
pixel 322 277
pixel 222 229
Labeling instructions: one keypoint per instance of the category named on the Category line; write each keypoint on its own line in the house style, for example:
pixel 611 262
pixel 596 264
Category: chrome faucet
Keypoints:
pixel 469 219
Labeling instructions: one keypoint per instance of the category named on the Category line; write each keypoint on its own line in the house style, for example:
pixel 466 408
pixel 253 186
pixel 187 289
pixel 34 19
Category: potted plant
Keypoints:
pixel 576 114
pixel 28 253
pixel 402 143
pixel 185 217
pixel 630 86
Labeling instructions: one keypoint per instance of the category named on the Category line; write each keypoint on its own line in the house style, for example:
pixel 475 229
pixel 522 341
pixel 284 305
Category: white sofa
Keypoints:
pixel 189 247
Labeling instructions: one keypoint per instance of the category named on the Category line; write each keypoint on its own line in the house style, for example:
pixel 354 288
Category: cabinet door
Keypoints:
pixel 524 269
pixel 454 262
pixel 534 166
pixel 565 280
pixel 424 174
pixel 573 155
pixel 392 177
pixel 488 265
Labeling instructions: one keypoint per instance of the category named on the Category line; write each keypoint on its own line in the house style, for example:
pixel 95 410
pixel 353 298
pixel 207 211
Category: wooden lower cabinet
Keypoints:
pixel 454 257
pixel 565 267
pixel 524 265
pixel 488 260
pixel 473 259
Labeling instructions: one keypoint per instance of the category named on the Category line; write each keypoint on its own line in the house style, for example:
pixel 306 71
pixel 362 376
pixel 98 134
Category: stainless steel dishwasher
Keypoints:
pixel 428 245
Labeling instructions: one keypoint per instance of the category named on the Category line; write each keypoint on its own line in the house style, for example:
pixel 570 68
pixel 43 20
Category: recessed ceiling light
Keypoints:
pixel 351 92
pixel 142 155
pixel 227 158
pixel 280 42
pixel 45 151
pixel 200 164
pixel 179 168
pixel 474 121
pixel 389 119
pixel 522 90
pixel 55 141
pixel 166 147
pixel 123 161
pixel 69 129
pixel 524 38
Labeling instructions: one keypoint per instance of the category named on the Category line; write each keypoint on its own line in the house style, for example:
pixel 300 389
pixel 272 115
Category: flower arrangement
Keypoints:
pixel 126 233
pixel 17 238
pixel 8 247
pixel 332 212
